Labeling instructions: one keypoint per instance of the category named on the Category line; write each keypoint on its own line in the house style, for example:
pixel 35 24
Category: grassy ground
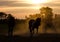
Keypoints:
pixel 21 34
pixel 39 38
pixel 22 29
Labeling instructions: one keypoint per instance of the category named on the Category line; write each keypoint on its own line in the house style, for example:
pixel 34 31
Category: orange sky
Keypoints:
pixel 21 8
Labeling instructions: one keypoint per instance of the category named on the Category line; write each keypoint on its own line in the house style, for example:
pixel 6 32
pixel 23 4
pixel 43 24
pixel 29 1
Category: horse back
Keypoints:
pixel 38 21
pixel 31 22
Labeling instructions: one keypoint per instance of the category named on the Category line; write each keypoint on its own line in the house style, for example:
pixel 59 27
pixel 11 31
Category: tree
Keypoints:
pixel 47 12
pixel 47 15
pixel 3 15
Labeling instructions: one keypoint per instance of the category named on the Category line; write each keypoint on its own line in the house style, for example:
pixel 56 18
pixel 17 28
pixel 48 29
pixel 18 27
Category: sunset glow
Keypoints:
pixel 39 1
pixel 26 7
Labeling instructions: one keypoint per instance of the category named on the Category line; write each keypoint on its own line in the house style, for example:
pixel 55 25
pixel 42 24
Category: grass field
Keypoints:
pixel 21 34
pixel 39 38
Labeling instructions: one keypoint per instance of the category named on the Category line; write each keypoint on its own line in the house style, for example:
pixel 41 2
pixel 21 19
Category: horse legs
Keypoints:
pixel 37 30
pixel 30 30
pixel 10 31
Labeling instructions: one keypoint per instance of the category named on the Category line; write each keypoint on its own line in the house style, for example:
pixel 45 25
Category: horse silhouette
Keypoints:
pixel 34 24
pixel 11 24
pixel 31 22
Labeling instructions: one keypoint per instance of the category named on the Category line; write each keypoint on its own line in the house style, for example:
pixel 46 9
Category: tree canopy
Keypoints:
pixel 47 12
pixel 2 13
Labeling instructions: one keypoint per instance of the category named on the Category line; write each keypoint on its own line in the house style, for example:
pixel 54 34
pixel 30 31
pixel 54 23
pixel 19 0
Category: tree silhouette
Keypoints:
pixel 47 16
pixel 2 14
pixel 47 12
pixel 3 17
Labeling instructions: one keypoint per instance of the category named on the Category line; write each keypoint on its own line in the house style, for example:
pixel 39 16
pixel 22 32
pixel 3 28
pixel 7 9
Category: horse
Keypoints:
pixel 34 24
pixel 31 22
pixel 11 24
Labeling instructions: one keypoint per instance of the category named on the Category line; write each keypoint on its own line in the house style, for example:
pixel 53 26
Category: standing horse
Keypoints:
pixel 11 24
pixel 34 24
pixel 31 22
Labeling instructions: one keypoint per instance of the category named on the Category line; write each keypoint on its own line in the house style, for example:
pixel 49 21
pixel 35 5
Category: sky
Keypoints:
pixel 21 8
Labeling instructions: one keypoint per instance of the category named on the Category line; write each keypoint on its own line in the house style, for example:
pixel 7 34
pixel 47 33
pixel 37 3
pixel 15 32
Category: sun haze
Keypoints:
pixel 21 8
pixel 38 1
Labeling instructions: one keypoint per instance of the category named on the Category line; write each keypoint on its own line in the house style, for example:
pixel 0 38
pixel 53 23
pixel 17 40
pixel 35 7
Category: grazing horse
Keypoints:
pixel 34 24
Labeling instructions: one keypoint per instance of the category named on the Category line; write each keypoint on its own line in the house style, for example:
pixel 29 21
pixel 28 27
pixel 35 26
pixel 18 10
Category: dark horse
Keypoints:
pixel 11 24
pixel 34 24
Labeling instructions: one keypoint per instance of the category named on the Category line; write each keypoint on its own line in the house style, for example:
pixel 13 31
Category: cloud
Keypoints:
pixel 14 4
pixel 52 4
pixel 9 6
pixel 21 3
